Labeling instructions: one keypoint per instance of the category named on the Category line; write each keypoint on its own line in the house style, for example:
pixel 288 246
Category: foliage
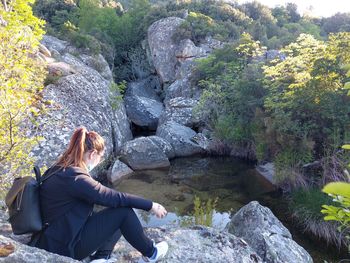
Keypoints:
pixel 305 98
pixel 339 22
pixel 231 89
pixel 340 192
pixel 305 206
pixel 117 91
pixel 21 79
pixel 56 12
pixel 203 211
pixel 287 167
pixel 310 201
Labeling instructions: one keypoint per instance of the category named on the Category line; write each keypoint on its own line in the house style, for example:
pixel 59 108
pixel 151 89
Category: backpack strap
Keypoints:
pixel 37 174
pixel 40 179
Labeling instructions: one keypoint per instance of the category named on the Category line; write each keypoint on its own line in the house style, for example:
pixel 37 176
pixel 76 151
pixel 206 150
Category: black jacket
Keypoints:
pixel 67 200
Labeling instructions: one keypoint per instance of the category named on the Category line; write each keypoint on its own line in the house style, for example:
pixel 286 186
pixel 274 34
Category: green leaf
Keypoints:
pixel 328 218
pixel 338 188
pixel 346 146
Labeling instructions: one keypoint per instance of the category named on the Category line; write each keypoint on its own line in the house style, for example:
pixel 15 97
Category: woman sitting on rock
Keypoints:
pixel 67 198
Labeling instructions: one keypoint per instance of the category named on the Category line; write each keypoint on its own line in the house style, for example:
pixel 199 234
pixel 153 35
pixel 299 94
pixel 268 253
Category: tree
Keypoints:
pixel 305 95
pixel 232 90
pixel 21 79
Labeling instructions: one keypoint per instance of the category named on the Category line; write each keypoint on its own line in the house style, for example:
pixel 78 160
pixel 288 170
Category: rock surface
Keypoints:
pixel 142 153
pixel 180 137
pixel 180 110
pixel 193 244
pixel 79 97
pixel 190 244
pixel 265 233
pixel 268 171
pixel 143 111
pixel 149 88
pixel 119 171
pixel 27 254
pixel 162 47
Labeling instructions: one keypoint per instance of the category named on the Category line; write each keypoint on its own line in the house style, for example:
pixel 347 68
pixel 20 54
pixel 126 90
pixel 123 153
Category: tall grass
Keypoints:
pixel 305 206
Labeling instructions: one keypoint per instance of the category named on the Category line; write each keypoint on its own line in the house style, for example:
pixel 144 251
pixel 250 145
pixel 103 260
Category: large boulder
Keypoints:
pixel 192 244
pixel 54 45
pixel 118 172
pixel 98 63
pixel 268 171
pixel 188 244
pixel 164 145
pixel 143 111
pixel 187 50
pixel 143 153
pixel 180 137
pixel 180 110
pixel 80 97
pixel 148 88
pixel 26 254
pixel 182 87
pixel 258 226
pixel 162 47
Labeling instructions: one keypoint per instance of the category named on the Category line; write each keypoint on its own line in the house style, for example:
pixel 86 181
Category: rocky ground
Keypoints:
pixel 253 235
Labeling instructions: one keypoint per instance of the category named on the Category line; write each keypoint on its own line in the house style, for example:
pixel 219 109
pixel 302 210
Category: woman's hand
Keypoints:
pixel 158 210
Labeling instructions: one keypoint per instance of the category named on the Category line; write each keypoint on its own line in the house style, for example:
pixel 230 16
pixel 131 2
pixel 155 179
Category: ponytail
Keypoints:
pixel 81 142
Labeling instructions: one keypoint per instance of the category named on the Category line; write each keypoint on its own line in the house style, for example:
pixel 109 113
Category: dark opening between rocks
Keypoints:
pixel 138 131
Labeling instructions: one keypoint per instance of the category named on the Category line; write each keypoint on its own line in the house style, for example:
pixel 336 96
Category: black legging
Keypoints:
pixel 104 228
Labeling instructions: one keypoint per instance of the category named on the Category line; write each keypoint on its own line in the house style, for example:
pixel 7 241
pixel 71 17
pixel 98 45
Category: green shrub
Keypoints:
pixel 340 192
pixel 305 206
pixel 118 91
pixel 81 40
pixel 303 95
pixel 288 167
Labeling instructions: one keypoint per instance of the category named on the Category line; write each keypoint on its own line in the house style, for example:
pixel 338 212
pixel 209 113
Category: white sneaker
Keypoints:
pixel 101 260
pixel 161 250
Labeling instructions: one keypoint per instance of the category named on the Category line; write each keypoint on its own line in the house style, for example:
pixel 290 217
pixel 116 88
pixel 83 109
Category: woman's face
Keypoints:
pixel 93 159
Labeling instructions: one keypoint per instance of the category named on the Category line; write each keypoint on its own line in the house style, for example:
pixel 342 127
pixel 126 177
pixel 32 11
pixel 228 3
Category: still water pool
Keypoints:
pixel 233 182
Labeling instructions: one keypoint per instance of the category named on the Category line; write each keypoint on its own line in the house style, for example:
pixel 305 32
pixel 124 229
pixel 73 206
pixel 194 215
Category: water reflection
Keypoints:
pixel 233 182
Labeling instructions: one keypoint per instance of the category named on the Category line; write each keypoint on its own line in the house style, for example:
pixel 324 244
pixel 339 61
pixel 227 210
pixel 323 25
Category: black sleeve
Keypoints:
pixel 86 188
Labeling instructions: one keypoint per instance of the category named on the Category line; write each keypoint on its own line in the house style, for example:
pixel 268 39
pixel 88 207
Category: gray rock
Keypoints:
pixel 98 63
pixel 60 69
pixel 179 110
pixel 80 97
pixel 193 244
pixel 187 50
pixel 201 140
pixel 143 111
pixel 209 44
pixel 268 171
pixel 180 137
pixel 121 127
pixel 26 254
pixel 148 88
pixel 266 235
pixel 142 153
pixel 164 145
pixel 53 43
pixel 119 171
pixel 162 47
pixel 182 87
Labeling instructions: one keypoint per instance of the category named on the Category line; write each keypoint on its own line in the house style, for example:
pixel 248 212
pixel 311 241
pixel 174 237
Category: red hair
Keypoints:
pixel 81 142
